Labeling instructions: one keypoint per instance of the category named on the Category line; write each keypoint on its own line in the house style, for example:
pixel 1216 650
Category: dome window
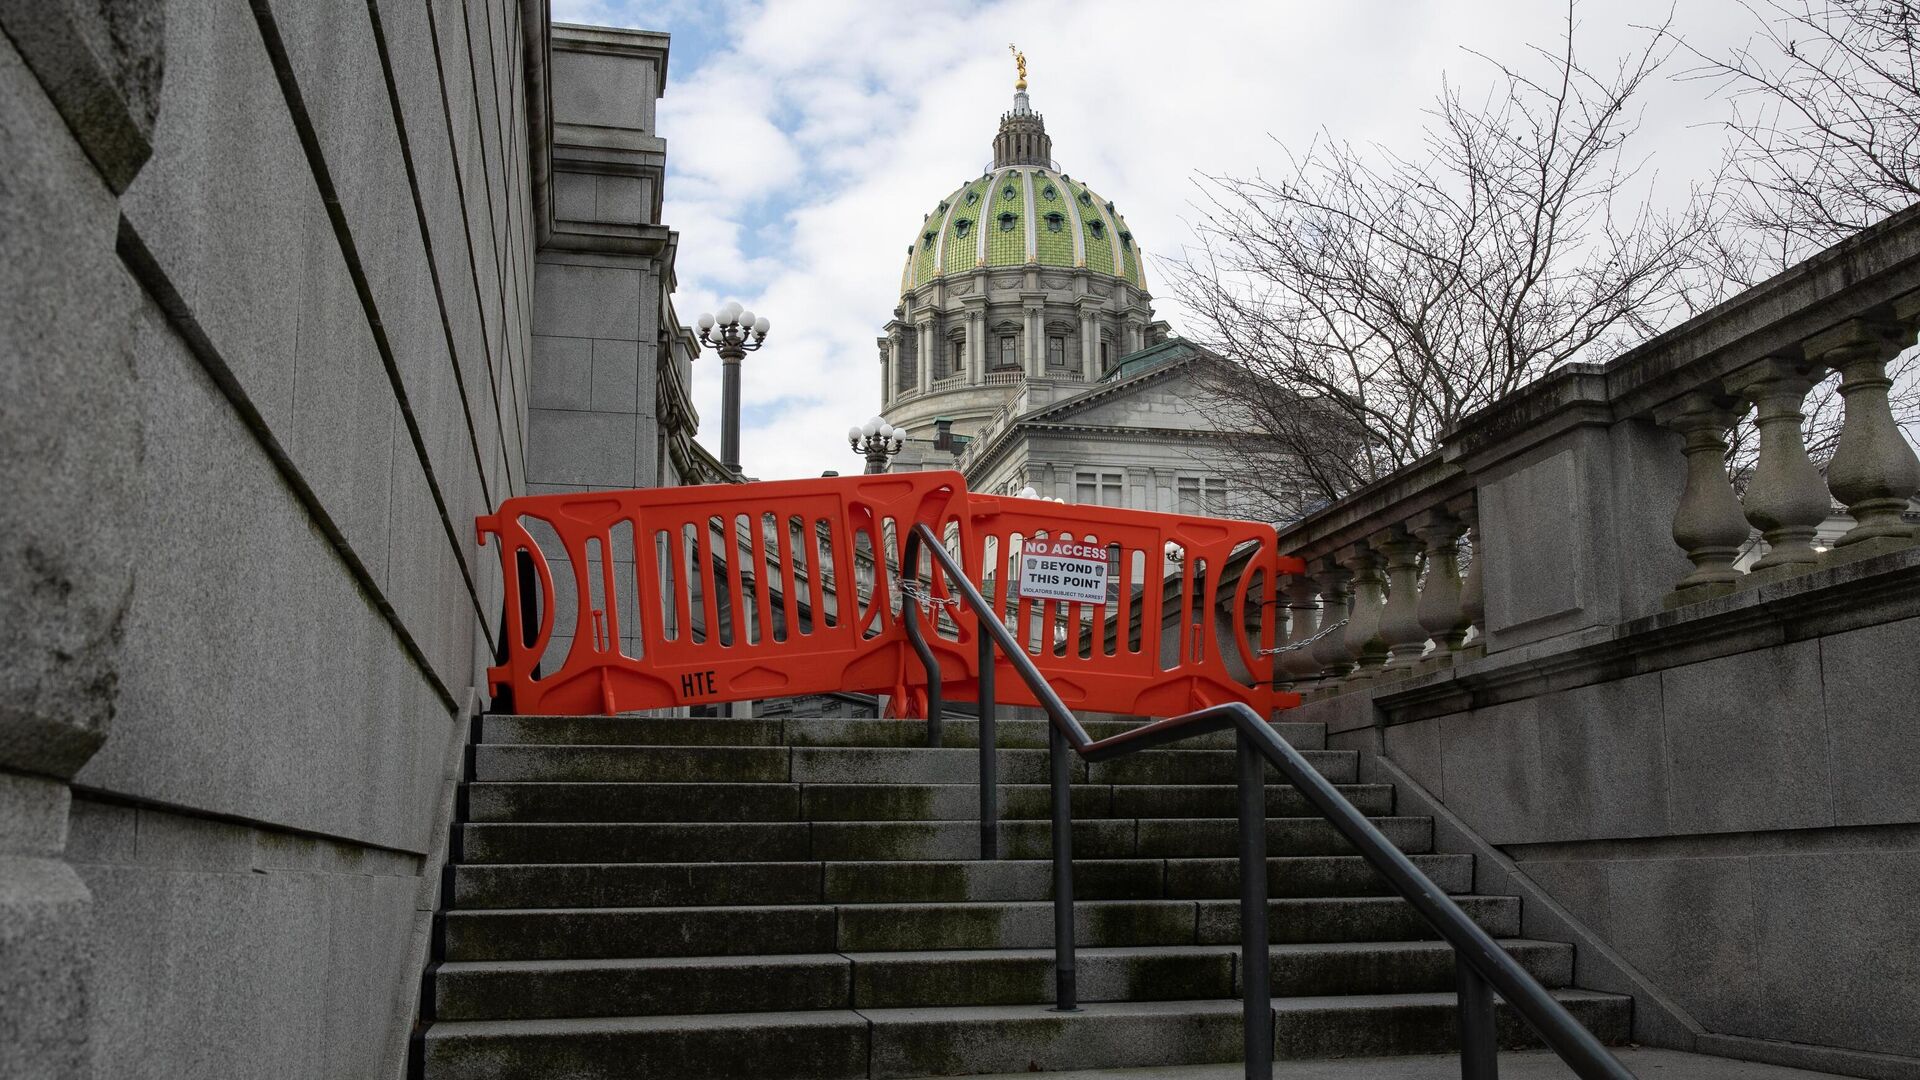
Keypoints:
pixel 1055 222
pixel 960 226
pixel 972 197
pixel 1097 228
pixel 943 207
pixel 1085 199
pixel 929 236
pixel 1008 221
pixel 1050 193
pixel 1126 241
pixel 1009 192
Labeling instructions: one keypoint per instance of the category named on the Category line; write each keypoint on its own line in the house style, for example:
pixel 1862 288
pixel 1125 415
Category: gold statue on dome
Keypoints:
pixel 1019 61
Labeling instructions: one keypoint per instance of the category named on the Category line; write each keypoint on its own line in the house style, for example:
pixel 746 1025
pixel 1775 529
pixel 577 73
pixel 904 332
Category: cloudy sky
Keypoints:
pixel 807 138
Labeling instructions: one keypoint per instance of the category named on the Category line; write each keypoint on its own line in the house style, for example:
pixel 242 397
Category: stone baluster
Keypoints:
pixel 1336 601
pixel 1873 469
pixel 1786 498
pixel 1708 524
pixel 1440 610
pixel 1400 629
pixel 1363 625
pixel 1298 668
pixel 1473 596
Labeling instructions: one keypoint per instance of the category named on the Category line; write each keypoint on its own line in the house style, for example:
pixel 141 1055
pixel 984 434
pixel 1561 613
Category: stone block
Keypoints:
pixel 259 680
pixel 1538 557
pixel 1419 748
pixel 1747 742
pixel 574 196
pixel 595 449
pixel 616 378
pixel 69 433
pixel 225 202
pixel 1688 925
pixel 1872 731
pixel 582 300
pixel 1492 773
pixel 1837 950
pixel 562 375
pixel 46 981
pixel 603 90
pixel 1603 754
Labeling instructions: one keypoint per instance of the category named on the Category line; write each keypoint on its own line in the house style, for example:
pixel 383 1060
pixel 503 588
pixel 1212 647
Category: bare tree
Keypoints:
pixel 1371 299
pixel 1824 136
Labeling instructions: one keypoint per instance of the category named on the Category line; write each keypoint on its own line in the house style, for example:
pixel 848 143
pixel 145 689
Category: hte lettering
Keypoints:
pixel 697 684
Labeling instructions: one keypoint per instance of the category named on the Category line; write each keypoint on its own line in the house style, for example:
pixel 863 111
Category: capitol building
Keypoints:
pixel 1024 349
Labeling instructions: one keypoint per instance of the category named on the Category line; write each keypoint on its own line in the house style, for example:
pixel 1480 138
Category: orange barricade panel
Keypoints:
pixel 1189 604
pixel 682 596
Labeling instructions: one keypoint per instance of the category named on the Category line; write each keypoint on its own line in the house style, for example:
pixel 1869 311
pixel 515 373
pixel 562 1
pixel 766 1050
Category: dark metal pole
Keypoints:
pixel 730 409
pixel 1061 758
pixel 989 755
pixel 1479 1051
pixel 935 704
pixel 1256 970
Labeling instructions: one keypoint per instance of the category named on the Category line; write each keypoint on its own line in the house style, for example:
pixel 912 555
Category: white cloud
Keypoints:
pixel 810 136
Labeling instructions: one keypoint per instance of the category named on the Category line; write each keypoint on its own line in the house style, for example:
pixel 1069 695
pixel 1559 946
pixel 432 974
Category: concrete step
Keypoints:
pixel 595 933
pixel 541 989
pixel 572 801
pixel 614 802
pixel 1113 838
pixel 629 731
pixel 1009 734
pixel 829 1044
pixel 935 802
pixel 867 765
pixel 652 764
pixel 519 885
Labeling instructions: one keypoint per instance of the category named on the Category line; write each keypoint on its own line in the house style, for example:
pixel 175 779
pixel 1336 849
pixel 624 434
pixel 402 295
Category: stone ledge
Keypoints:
pixel 1866 592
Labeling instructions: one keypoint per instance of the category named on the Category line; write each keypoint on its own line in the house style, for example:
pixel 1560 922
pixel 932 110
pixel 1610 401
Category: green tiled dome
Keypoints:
pixel 1020 215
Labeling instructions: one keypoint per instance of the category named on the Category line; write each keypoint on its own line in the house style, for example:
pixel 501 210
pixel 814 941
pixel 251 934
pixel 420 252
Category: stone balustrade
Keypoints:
pixel 1601 493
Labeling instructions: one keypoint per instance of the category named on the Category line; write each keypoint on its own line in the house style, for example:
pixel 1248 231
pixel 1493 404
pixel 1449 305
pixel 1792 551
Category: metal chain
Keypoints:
pixel 1295 645
pixel 921 595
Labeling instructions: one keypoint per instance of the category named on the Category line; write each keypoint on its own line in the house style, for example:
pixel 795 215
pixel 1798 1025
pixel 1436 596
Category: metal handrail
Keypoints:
pixel 1481 966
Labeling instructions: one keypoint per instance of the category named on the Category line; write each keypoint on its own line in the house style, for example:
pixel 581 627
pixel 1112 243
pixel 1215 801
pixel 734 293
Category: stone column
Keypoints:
pixel 1299 667
pixel 1036 347
pixel 1400 628
pixel 923 362
pixel 893 366
pixel 1708 524
pixel 1089 346
pixel 1336 598
pixel 976 355
pixel 1786 498
pixel 1439 611
pixel 1873 469
pixel 1362 635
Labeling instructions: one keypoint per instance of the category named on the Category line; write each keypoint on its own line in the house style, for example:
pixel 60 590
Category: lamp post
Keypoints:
pixel 878 440
pixel 733 332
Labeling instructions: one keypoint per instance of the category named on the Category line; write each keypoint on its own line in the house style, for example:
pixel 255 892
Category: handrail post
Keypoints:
pixel 1060 758
pixel 1479 1049
pixel 989 754
pixel 1255 966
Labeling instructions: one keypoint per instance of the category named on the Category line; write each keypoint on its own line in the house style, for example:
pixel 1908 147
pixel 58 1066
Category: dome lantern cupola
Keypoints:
pixel 1023 136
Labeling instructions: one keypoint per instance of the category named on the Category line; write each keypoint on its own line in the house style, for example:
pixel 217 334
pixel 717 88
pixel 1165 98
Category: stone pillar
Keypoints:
pixel 923 362
pixel 1299 667
pixel 1036 358
pixel 1400 628
pixel 1708 524
pixel 1439 611
pixel 1089 346
pixel 1873 469
pixel 1786 498
pixel 1362 635
pixel 1473 597
pixel 976 355
pixel 1336 598
pixel 893 365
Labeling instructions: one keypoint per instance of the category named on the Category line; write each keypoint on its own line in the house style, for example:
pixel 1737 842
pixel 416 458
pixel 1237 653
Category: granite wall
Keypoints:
pixel 265 350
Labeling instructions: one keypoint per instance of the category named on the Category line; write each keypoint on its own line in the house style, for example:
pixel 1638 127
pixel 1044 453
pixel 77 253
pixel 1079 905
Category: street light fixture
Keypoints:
pixel 878 440
pixel 733 332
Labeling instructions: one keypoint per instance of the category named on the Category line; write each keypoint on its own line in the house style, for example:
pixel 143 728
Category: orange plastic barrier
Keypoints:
pixel 694 595
pixel 1119 656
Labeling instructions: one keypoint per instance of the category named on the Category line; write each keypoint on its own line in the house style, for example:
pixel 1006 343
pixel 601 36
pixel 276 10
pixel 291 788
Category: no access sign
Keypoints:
pixel 1063 570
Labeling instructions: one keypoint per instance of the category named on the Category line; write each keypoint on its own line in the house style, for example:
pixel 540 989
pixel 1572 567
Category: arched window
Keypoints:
pixel 972 197
pixel 1055 222
pixel 929 236
pixel 1008 221
pixel 1126 241
pixel 1009 192
pixel 1085 199
pixel 960 226
pixel 1049 193
pixel 1097 228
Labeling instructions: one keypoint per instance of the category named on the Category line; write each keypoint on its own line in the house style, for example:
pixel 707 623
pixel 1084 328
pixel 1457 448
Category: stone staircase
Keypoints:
pixel 799 898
